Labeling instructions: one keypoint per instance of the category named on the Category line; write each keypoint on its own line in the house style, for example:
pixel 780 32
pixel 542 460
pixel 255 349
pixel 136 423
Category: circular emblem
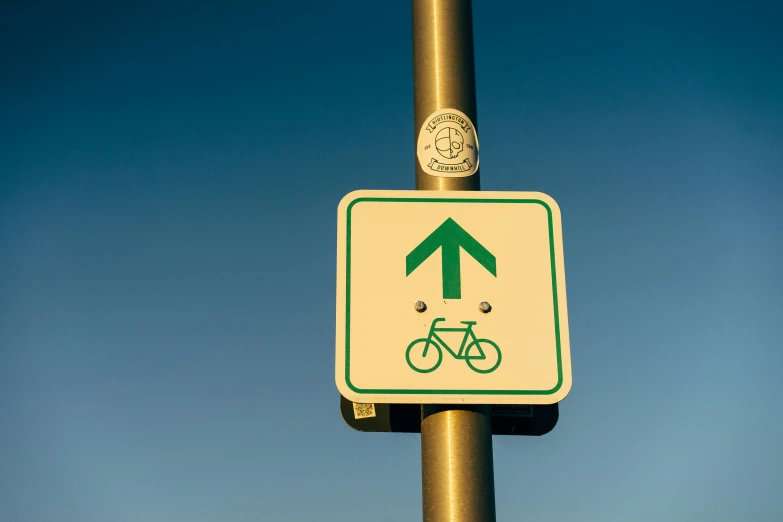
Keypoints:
pixel 447 145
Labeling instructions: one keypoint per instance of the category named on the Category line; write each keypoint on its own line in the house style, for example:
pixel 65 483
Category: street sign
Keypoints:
pixel 507 419
pixel 451 297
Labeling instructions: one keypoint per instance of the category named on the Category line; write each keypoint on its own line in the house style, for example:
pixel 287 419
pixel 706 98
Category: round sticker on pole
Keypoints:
pixel 447 145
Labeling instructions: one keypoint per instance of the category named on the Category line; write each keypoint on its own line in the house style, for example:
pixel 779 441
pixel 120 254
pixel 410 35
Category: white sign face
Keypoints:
pixel 451 297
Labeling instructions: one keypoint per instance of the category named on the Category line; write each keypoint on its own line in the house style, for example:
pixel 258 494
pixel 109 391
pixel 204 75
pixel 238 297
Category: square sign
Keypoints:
pixel 451 297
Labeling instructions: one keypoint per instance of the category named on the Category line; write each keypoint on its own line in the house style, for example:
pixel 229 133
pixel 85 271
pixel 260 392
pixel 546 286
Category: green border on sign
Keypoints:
pixel 448 392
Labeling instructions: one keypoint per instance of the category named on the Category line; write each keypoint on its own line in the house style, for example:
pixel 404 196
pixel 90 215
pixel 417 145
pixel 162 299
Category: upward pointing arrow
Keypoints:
pixel 449 237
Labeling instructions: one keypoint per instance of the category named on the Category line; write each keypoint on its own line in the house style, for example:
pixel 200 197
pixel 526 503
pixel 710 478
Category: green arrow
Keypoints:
pixel 449 237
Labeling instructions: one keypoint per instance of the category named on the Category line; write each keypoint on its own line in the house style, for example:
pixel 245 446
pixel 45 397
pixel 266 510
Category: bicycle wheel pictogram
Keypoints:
pixel 483 356
pixel 424 355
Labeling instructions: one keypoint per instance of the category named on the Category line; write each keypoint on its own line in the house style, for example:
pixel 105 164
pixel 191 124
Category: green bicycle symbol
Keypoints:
pixel 481 355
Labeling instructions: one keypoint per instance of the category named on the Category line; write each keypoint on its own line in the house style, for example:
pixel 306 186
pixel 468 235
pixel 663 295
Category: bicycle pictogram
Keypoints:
pixel 425 355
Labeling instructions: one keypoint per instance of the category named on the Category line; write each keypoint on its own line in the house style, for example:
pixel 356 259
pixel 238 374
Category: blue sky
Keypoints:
pixel 169 178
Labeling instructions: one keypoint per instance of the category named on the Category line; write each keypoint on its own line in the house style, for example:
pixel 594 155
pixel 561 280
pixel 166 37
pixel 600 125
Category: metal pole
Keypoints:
pixel 458 482
pixel 443 74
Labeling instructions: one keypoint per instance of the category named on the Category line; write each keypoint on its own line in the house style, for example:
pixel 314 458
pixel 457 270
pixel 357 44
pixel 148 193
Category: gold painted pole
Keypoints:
pixel 458 482
pixel 443 74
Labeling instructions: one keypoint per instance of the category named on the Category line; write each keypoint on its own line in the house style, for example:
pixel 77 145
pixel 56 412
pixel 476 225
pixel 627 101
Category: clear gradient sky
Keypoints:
pixel 169 178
